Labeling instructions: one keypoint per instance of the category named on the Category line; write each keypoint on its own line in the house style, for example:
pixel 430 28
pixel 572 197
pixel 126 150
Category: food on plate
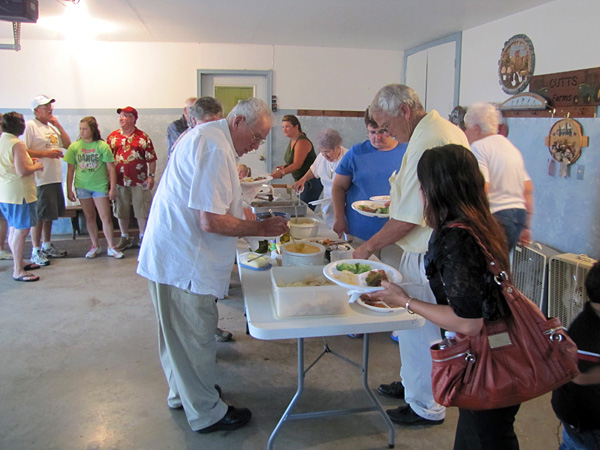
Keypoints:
pixel 375 209
pixel 307 282
pixel 347 277
pixel 252 179
pixel 368 300
pixel 301 247
pixel 375 277
pixel 353 268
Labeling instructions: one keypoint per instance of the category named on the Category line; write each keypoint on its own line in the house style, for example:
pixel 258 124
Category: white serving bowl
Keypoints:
pixel 294 258
pixel 303 227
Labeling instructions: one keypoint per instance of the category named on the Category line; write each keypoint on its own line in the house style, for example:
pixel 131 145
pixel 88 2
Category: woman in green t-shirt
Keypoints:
pixel 92 168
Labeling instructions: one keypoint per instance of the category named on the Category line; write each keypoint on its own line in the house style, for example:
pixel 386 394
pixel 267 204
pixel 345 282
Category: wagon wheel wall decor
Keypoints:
pixel 566 140
pixel 516 64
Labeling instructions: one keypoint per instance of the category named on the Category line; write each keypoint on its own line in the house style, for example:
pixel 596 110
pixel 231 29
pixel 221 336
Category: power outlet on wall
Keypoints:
pixel 580 171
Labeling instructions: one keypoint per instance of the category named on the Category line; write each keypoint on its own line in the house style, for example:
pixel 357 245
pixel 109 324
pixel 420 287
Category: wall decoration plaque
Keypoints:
pixel 565 142
pixel 516 64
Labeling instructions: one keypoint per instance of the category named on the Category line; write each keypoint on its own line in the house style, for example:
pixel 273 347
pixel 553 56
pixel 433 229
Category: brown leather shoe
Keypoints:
pixel 234 419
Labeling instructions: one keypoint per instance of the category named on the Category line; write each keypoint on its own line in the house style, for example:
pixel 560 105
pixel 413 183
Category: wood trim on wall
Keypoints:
pixel 559 113
pixel 329 113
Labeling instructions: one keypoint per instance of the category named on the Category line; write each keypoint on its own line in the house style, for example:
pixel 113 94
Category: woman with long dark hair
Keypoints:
pixel 452 189
pixel 299 156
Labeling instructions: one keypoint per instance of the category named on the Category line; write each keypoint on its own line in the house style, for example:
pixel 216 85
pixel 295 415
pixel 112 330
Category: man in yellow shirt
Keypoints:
pixel 397 108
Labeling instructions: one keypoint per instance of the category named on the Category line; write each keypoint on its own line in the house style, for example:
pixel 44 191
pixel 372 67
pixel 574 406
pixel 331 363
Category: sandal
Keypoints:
pixel 27 277
pixel 32 266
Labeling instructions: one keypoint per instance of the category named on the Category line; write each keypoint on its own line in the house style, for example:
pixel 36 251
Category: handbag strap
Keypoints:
pixel 500 275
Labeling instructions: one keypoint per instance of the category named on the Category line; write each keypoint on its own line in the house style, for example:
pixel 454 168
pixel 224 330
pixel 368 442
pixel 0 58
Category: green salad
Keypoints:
pixel 354 268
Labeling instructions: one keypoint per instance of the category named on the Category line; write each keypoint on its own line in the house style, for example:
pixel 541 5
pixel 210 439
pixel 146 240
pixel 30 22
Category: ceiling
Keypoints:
pixel 369 24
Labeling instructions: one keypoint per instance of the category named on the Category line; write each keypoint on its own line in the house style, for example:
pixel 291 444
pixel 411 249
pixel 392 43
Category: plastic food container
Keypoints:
pixel 266 215
pixel 292 257
pixel 303 227
pixel 308 300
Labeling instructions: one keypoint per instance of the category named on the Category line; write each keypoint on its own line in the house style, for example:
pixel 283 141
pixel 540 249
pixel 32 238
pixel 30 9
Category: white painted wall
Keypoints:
pixel 162 75
pixel 564 35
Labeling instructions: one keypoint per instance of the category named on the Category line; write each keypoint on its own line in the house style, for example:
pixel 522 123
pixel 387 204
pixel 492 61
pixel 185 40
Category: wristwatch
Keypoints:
pixel 150 174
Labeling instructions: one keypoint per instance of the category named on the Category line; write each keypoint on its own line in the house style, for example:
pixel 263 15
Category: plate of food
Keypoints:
pixel 370 208
pixel 381 198
pixel 361 275
pixel 378 305
pixel 255 181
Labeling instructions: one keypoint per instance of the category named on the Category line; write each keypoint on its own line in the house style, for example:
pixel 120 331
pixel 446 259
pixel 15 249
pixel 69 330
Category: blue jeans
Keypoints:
pixel 513 221
pixel 579 440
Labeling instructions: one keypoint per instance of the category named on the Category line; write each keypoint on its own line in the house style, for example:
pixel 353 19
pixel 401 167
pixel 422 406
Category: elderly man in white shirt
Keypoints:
pixel 507 182
pixel 397 108
pixel 188 253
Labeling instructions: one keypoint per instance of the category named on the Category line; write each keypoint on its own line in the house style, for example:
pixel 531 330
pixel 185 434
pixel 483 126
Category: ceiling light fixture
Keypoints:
pixel 76 24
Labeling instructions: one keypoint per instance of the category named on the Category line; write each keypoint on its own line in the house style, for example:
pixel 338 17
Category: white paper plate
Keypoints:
pixel 381 198
pixel 380 310
pixel 355 207
pixel 330 271
pixel 264 180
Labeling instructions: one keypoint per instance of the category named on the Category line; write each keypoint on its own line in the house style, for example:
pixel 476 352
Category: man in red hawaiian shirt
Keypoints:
pixel 135 160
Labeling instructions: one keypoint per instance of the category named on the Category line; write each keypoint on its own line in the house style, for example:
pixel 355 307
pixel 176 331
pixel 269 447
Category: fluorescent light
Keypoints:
pixel 77 24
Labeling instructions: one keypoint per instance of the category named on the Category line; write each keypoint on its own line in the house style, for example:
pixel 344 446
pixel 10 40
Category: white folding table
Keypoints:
pixel 263 323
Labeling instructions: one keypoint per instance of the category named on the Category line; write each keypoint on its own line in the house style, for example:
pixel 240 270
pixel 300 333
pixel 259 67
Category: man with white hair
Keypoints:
pixel 202 110
pixel 508 184
pixel 45 139
pixel 397 108
pixel 188 253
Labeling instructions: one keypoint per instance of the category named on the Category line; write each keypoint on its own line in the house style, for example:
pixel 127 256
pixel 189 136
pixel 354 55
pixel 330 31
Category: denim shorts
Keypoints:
pixel 84 193
pixel 20 217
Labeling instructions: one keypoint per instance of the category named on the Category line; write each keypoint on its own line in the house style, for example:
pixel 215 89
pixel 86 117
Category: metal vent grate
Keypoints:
pixel 567 275
pixel 530 272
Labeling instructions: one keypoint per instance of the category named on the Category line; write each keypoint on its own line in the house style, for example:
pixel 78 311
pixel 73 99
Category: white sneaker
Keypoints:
pixel 38 257
pixel 53 252
pixel 5 255
pixel 114 253
pixel 92 253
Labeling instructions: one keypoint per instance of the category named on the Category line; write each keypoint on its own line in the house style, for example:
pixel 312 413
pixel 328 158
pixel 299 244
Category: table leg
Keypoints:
pixel 365 379
pixel 296 396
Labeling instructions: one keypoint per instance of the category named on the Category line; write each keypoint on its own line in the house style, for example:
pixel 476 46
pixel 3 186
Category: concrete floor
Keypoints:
pixel 79 369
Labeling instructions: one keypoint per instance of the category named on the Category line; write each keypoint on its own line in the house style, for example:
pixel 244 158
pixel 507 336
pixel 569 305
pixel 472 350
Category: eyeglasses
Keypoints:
pixel 255 138
pixel 380 132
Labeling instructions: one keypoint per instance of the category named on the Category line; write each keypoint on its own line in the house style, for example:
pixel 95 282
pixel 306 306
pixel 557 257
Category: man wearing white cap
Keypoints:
pixel 45 139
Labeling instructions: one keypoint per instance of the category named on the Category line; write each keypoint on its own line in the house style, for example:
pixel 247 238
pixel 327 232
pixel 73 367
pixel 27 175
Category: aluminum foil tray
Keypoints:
pixel 287 206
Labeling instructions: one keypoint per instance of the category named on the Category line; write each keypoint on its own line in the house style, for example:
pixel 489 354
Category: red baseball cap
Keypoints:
pixel 130 110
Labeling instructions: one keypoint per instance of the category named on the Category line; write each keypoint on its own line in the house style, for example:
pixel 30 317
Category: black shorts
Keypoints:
pixel 51 202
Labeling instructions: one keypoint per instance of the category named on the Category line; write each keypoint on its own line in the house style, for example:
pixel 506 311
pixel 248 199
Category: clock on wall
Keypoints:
pixel 516 64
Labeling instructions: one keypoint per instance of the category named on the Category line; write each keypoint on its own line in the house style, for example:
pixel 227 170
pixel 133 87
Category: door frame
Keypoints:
pixel 457 39
pixel 267 74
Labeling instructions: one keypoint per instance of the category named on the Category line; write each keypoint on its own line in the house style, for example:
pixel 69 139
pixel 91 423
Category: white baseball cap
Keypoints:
pixel 40 100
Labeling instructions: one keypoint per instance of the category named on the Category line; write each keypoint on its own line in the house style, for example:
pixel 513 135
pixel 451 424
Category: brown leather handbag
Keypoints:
pixel 516 358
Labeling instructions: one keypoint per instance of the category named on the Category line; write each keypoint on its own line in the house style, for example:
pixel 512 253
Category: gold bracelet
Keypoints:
pixel 407 306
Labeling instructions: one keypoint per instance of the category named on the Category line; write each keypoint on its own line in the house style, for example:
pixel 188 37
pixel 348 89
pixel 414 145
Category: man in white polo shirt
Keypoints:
pixel 187 255
pixel 45 139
